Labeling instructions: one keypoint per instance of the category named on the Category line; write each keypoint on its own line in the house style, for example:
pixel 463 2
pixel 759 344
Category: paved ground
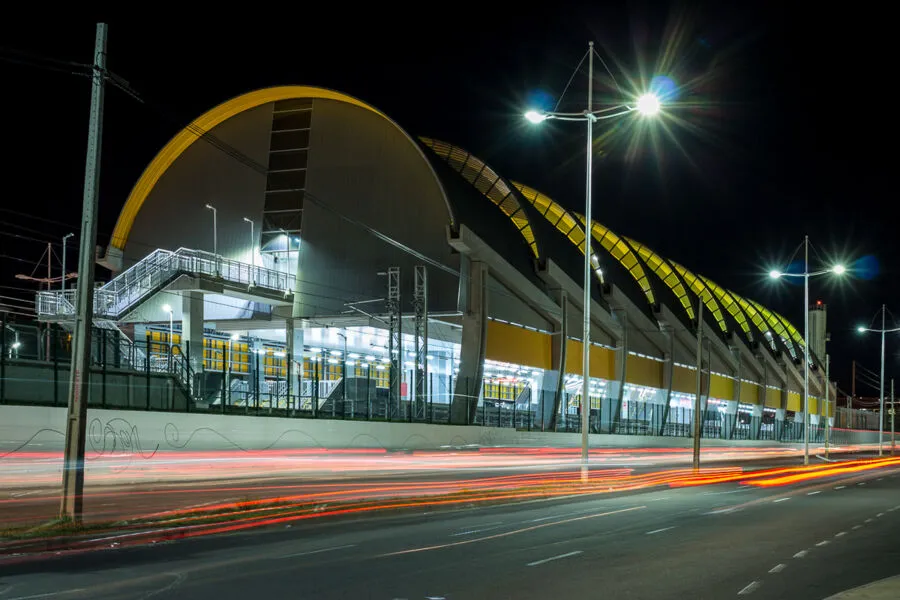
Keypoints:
pixel 126 488
pixel 802 541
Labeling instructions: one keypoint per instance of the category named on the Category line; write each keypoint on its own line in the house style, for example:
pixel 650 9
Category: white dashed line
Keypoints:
pixel 814 493
pixel 840 533
pixel 660 530
pixel 751 587
pixel 861 483
pixel 320 551
pixel 780 500
pixel 879 479
pixel 855 527
pixel 801 554
pixel 822 543
pixel 868 520
pixel 840 487
pixel 546 560
pixel 778 568
pixel 879 515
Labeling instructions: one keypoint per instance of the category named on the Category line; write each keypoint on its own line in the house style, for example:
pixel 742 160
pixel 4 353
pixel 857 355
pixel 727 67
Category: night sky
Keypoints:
pixel 775 128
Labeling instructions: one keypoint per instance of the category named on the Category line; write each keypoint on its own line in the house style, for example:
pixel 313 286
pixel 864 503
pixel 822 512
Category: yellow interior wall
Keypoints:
pixel 684 380
pixel 644 371
pixel 794 402
pixel 773 398
pixel 511 344
pixel 750 393
pixel 721 388
pixel 603 361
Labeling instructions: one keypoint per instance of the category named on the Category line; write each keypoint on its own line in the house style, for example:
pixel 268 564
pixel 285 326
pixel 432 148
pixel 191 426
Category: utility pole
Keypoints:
pixel 76 419
pixel 893 412
pixel 852 386
pixel 827 405
pixel 697 403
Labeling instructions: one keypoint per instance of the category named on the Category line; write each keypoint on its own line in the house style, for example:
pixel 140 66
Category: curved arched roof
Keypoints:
pixel 488 182
pixel 209 120
pixel 564 221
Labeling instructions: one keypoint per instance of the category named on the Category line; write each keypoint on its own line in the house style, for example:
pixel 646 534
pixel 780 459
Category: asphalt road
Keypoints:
pixel 127 497
pixel 802 541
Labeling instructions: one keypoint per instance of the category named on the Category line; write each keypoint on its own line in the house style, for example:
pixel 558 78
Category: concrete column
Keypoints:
pixel 473 346
pixel 293 338
pixel 668 371
pixel 617 388
pixel 553 381
pixel 192 328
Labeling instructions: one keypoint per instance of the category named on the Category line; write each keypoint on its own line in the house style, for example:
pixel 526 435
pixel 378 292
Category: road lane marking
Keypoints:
pixel 751 587
pixel 780 500
pixel 879 515
pixel 822 543
pixel 861 483
pixel 661 530
pixel 48 595
pixel 857 527
pixel 778 568
pixel 879 479
pixel 840 487
pixel 552 558
pixel 814 493
pixel 318 551
pixel 475 530
pixel 801 554
pixel 840 533
pixel 868 520
pixel 544 519
pixel 513 532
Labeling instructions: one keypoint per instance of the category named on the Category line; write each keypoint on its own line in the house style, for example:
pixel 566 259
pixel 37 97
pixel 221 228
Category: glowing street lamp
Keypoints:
pixel 882 331
pixel 647 105
pixel 806 274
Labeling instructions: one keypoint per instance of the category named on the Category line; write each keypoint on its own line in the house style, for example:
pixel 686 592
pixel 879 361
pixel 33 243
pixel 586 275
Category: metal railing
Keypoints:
pixel 114 299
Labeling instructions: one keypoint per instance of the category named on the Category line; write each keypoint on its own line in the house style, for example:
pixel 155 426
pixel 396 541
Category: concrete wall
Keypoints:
pixel 40 429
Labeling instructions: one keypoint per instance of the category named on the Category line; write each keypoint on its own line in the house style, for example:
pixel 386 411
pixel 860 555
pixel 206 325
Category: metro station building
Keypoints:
pixel 294 235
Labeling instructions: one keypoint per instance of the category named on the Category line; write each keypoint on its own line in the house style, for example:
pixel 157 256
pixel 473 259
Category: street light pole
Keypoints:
pixel 881 387
pixel 806 350
pixel 893 412
pixel 776 274
pixel 647 105
pixel 586 336
pixel 65 237
pixel 827 402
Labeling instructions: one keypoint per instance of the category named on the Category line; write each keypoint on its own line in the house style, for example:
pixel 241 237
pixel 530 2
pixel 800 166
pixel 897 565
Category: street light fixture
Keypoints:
pixel 215 229
pixel 882 331
pixel 806 274
pixel 648 104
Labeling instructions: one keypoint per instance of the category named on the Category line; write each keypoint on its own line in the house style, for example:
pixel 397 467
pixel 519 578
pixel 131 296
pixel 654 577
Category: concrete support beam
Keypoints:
pixel 293 337
pixel 553 384
pixel 473 346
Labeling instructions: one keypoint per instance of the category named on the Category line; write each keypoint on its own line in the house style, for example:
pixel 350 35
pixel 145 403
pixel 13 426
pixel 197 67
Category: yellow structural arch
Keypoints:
pixel 731 305
pixel 622 252
pixel 488 182
pixel 702 291
pixel 666 273
pixel 559 217
pixel 777 326
pixel 758 320
pixel 204 123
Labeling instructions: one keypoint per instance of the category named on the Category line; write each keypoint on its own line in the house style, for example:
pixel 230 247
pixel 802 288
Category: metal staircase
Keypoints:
pixel 115 299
